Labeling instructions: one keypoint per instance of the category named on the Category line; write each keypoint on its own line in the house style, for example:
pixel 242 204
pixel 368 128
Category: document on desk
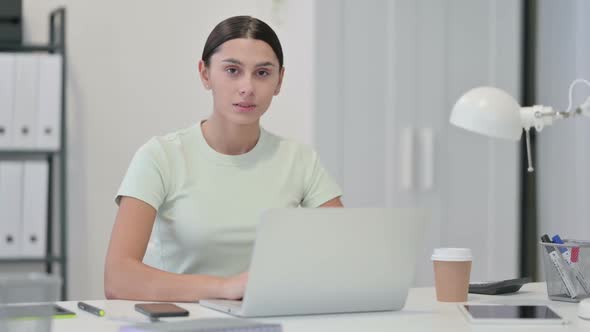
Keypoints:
pixel 206 325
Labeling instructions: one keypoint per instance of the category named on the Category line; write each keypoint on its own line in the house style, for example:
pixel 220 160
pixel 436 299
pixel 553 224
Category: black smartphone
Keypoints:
pixel 157 310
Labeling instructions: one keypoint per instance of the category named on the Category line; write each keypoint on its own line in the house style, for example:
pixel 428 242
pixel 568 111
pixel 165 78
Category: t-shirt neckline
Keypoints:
pixel 226 159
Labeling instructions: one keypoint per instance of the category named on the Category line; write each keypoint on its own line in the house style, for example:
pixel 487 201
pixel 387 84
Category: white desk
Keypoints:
pixel 421 313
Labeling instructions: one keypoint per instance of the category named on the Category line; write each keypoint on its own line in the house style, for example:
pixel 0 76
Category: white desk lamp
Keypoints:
pixel 493 112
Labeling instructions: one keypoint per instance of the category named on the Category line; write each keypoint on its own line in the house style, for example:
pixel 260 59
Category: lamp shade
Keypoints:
pixel 488 111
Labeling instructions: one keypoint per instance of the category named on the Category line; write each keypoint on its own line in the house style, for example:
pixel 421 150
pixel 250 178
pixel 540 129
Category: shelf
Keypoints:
pixel 56 44
pixel 52 259
pixel 29 48
pixel 28 153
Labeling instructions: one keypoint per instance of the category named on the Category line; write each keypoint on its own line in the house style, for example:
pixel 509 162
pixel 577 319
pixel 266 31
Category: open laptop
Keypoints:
pixel 329 260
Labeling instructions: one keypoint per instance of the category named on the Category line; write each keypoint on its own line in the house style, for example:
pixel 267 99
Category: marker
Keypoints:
pixel 91 309
pixel 559 265
pixel 568 259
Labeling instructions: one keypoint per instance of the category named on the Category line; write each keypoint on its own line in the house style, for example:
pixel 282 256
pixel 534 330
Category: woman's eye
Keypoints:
pixel 263 73
pixel 231 71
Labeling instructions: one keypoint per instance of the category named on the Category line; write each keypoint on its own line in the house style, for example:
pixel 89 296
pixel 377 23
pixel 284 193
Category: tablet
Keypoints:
pixel 511 314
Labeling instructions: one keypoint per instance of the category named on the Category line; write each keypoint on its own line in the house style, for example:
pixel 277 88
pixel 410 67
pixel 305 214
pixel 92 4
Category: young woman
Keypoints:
pixel 190 201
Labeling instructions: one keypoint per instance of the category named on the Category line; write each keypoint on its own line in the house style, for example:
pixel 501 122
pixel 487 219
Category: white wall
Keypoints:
pixel 133 74
pixel 562 150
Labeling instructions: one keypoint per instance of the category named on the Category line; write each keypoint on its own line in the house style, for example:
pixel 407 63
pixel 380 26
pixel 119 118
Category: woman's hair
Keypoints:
pixel 241 27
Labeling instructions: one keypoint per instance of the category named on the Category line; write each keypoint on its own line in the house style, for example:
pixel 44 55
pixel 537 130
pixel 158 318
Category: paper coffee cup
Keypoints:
pixel 452 267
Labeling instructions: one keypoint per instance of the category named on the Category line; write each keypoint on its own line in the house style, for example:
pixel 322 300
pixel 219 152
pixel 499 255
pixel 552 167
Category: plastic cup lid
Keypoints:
pixel 452 254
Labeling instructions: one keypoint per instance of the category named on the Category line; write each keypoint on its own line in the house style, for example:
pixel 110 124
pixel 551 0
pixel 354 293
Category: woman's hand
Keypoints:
pixel 235 286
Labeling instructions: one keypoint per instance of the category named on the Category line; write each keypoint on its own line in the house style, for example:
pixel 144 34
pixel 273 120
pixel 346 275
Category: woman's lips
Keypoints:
pixel 244 107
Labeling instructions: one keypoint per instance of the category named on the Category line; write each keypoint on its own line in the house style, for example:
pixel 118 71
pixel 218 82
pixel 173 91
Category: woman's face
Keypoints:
pixel 243 75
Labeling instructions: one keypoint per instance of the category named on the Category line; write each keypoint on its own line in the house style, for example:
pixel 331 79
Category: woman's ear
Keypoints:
pixel 204 74
pixel 281 74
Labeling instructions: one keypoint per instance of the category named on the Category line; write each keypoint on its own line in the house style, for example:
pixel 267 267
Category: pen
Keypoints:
pixel 91 309
pixel 568 259
pixel 559 265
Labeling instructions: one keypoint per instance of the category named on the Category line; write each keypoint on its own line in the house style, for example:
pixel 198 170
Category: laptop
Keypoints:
pixel 329 260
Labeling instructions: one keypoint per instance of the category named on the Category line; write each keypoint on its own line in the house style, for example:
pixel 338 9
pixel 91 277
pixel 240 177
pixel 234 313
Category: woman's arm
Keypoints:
pixel 334 202
pixel 127 277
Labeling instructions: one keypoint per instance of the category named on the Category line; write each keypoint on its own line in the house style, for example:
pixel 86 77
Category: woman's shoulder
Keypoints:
pixel 167 146
pixel 176 137
pixel 170 141
pixel 289 145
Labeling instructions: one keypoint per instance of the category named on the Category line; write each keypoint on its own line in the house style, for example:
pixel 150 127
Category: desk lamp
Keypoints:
pixel 493 112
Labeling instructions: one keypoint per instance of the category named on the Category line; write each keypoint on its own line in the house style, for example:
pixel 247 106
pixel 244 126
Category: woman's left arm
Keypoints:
pixel 334 202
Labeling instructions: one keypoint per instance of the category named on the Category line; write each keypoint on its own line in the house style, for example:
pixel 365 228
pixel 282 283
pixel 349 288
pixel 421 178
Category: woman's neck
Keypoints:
pixel 228 138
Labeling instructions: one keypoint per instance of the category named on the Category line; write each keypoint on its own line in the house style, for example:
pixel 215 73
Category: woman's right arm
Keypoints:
pixel 127 277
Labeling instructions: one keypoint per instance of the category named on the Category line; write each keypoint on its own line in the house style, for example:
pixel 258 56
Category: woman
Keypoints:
pixel 190 201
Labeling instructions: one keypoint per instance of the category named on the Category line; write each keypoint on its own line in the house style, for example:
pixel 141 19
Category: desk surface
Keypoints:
pixel 421 313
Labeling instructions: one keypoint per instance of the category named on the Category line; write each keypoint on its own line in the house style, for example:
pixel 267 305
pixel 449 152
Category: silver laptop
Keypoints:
pixel 329 260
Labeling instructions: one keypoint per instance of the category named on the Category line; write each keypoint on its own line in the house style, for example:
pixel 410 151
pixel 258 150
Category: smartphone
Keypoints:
pixel 156 310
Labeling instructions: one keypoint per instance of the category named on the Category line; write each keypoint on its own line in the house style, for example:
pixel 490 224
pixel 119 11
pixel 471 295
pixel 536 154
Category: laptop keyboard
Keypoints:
pixel 234 305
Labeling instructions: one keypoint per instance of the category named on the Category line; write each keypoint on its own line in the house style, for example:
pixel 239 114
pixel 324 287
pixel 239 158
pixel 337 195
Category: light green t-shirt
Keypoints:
pixel 208 204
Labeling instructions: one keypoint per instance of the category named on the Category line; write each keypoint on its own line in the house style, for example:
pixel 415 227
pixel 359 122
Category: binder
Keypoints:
pixel 11 32
pixel 7 77
pixel 11 177
pixel 34 213
pixel 49 115
pixel 11 9
pixel 26 100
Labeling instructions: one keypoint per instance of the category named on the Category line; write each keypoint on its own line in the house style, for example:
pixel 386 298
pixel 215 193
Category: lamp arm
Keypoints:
pixel 583 109
pixel 539 116
pixel 571 90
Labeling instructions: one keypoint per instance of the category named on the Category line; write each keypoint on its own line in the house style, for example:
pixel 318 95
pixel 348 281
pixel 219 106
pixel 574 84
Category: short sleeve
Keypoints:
pixel 319 186
pixel 146 176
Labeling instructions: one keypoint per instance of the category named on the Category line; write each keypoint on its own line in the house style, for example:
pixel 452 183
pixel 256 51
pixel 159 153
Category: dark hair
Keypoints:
pixel 241 27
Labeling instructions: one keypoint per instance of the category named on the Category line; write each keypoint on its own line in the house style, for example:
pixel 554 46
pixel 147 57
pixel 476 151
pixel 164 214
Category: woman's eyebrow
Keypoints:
pixel 238 62
pixel 234 61
pixel 265 64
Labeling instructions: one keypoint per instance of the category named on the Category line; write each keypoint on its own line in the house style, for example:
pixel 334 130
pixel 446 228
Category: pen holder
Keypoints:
pixel 27 287
pixel 567 270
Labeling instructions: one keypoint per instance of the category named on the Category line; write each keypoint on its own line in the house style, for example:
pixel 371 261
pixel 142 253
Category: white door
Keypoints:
pixel 388 74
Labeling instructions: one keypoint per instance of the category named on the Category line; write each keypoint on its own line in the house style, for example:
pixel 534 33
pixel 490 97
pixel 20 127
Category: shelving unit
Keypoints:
pixel 57 160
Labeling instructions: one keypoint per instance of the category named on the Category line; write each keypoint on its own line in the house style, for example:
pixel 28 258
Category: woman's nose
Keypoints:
pixel 246 88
